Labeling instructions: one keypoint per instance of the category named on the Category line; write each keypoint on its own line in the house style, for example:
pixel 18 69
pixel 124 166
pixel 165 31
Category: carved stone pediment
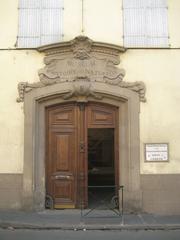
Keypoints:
pixel 81 62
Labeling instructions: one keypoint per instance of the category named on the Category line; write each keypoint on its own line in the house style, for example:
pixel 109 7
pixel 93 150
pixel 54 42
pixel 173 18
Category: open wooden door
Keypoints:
pixel 102 127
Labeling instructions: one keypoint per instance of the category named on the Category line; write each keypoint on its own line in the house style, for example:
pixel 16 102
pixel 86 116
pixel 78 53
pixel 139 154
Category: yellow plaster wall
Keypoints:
pixel 174 20
pixel 159 69
pixel 98 18
pixel 72 19
pixel 8 23
pixel 16 66
pixel 160 115
pixel 102 21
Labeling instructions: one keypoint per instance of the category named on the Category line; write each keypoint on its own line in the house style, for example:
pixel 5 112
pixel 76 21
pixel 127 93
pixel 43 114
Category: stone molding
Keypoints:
pixel 35 104
pixel 81 62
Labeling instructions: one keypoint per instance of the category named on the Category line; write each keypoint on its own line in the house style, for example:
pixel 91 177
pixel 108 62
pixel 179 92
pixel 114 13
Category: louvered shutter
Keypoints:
pixel 145 23
pixel 40 22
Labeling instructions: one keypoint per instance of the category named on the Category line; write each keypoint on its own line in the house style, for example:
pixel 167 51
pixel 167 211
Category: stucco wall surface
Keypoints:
pixel 101 20
pixel 160 115
pixel 16 66
pixel 173 20
pixel 8 23
pixel 158 69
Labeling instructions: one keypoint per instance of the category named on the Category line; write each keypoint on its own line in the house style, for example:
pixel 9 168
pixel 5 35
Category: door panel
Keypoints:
pixel 64 115
pixel 61 156
pixel 62 153
pixel 101 116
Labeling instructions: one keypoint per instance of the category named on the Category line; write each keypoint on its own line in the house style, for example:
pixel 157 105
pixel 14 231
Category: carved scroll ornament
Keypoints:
pixel 81 62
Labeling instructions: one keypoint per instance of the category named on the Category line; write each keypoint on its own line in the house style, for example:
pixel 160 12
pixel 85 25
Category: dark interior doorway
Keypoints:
pixel 101 170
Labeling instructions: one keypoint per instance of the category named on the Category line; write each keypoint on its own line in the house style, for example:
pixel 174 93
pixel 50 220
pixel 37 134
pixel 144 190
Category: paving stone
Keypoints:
pixel 66 219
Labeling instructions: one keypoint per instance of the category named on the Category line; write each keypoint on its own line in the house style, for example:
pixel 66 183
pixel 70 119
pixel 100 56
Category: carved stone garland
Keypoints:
pixel 81 62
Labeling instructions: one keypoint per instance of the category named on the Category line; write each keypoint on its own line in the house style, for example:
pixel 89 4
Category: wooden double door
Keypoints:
pixel 67 149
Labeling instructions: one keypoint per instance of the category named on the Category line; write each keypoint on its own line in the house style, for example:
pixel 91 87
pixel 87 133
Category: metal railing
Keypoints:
pixel 106 197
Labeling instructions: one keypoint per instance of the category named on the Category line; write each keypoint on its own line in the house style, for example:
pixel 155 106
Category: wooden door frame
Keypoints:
pixel 82 156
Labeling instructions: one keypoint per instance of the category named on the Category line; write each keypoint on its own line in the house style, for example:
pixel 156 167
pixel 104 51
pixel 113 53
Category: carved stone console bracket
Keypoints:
pixel 82 89
pixel 81 62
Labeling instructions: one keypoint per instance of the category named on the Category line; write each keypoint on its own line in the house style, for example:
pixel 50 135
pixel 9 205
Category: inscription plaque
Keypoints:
pixel 156 152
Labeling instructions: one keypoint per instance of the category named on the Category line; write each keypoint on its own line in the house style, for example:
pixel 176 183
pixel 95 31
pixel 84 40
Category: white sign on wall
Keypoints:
pixel 156 152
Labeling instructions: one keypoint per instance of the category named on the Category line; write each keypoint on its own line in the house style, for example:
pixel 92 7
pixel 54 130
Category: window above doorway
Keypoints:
pixel 40 22
pixel 145 23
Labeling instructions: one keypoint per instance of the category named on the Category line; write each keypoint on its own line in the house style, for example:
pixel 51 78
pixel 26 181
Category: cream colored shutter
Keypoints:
pixel 40 22
pixel 145 23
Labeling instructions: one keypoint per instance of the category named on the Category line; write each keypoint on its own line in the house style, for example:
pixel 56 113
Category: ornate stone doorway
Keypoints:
pixel 81 71
pixel 80 151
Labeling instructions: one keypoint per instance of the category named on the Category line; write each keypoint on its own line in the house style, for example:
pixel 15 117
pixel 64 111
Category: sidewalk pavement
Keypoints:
pixel 96 220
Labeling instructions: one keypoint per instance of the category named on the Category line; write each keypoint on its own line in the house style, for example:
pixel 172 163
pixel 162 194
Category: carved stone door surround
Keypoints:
pixel 79 71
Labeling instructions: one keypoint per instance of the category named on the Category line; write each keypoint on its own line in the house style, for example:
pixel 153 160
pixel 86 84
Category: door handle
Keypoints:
pixel 82 147
pixel 62 177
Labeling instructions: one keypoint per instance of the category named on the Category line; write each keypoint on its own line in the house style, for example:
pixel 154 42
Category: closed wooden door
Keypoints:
pixel 61 162
pixel 66 150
